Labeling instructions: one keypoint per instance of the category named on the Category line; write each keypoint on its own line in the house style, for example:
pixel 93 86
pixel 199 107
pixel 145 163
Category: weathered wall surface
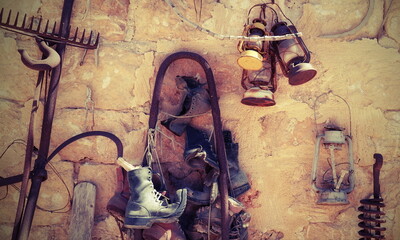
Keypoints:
pixel 276 143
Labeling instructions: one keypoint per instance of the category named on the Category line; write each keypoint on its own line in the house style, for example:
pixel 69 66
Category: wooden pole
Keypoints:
pixel 82 218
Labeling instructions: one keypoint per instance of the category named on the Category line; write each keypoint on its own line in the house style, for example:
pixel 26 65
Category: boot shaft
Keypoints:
pixel 198 149
pixel 147 206
pixel 239 182
pixel 196 102
pixel 140 183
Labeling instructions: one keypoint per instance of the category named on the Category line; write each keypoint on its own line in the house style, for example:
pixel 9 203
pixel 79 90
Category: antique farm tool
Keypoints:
pixel 49 33
pixel 51 60
pixel 372 213
pixel 61 38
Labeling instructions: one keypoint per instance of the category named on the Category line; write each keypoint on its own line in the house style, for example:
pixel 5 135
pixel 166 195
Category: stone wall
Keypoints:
pixel 355 48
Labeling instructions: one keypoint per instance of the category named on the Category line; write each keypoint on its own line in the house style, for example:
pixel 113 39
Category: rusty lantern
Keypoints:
pixel 251 52
pixel 333 186
pixel 258 63
pixel 260 84
pixel 293 55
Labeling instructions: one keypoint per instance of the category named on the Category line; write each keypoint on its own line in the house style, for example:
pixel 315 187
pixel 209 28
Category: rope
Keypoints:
pixel 151 152
pixel 230 37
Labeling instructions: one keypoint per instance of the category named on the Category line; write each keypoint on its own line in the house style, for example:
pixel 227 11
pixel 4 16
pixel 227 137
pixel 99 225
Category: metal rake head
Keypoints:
pixel 34 28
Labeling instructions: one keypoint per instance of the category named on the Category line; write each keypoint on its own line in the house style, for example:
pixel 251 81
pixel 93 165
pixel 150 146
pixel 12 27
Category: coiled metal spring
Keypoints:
pixel 372 216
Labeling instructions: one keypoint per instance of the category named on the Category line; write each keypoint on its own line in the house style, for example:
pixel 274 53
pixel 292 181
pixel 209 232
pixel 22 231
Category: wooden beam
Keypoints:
pixel 82 218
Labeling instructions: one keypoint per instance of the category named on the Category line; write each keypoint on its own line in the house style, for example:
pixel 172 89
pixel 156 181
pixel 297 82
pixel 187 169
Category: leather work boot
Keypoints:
pixel 196 102
pixel 164 231
pixel 199 154
pixel 208 221
pixel 239 226
pixel 198 149
pixel 209 192
pixel 239 183
pixel 147 206
pixel 117 203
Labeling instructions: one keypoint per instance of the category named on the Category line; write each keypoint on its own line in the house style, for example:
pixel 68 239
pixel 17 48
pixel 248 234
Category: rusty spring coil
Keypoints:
pixel 372 215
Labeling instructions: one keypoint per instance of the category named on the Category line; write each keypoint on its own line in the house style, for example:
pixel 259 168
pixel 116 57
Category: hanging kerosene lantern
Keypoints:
pixel 262 84
pixel 251 52
pixel 293 55
pixel 258 62
pixel 334 189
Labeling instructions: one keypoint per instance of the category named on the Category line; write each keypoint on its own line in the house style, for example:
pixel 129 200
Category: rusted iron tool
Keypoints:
pixel 33 28
pixel 371 208
pixel 52 58
pixel 60 38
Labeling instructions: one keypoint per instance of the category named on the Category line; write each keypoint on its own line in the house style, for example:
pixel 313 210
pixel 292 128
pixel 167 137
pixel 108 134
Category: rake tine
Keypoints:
pixel 83 35
pixel 8 18
pixel 16 19
pixel 90 38
pixel 54 28
pixel 60 29
pixel 76 34
pixel 68 31
pixel 40 22
pixel 30 28
pixel 97 39
pixel 1 15
pixel 45 28
pixel 23 21
pixel 34 25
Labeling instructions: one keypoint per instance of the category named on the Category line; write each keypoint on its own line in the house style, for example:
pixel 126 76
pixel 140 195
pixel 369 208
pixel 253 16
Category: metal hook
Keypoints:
pixel 51 61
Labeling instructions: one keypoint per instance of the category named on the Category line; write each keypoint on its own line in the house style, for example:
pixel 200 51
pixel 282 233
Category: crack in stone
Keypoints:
pixel 20 104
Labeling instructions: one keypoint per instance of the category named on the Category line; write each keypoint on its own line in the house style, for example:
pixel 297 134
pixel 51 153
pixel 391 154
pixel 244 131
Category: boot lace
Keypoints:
pixel 160 198
pixel 239 226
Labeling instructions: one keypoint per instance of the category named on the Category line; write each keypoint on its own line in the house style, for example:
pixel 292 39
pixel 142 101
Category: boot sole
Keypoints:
pixel 147 222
